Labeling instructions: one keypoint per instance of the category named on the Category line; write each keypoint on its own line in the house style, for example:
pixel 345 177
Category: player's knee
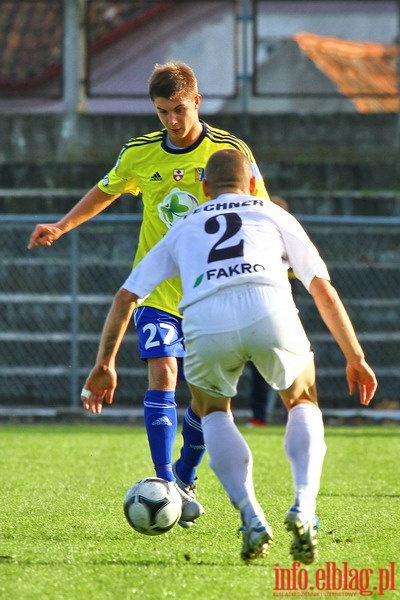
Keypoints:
pixel 162 373
pixel 203 403
pixel 302 391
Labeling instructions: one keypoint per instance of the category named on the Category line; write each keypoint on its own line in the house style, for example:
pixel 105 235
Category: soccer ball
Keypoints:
pixel 152 506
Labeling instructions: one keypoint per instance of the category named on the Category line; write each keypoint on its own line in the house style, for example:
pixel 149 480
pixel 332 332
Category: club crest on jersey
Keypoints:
pixel 178 174
pixel 176 204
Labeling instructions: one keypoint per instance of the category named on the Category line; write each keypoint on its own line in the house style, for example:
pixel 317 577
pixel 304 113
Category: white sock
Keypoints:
pixel 232 462
pixel 305 448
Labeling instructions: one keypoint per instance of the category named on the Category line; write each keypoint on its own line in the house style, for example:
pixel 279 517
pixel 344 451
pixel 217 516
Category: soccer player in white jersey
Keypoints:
pixel 232 254
pixel 167 167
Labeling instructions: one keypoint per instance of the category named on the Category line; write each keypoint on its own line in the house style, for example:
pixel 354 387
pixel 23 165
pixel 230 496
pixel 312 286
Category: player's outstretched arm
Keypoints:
pixel 334 314
pixel 92 203
pixel 101 383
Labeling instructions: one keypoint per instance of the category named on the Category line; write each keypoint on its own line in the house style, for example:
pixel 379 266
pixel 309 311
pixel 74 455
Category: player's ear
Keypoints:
pixel 197 100
pixel 206 188
pixel 252 184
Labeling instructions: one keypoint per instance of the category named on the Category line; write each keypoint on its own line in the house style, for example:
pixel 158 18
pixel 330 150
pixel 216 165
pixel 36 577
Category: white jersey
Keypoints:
pixel 230 241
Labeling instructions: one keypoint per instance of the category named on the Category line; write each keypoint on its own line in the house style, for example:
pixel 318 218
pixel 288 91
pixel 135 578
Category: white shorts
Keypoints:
pixel 240 324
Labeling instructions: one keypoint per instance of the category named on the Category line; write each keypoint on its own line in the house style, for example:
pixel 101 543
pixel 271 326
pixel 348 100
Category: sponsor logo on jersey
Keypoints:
pixel 199 174
pixel 178 174
pixel 156 177
pixel 231 271
pixel 105 181
pixel 176 205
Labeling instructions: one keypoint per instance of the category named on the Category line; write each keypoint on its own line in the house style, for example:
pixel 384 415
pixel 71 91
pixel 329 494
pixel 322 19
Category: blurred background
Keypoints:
pixel 312 86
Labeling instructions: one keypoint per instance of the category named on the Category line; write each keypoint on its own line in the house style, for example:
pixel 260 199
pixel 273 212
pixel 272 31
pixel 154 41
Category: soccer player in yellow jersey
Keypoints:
pixel 167 167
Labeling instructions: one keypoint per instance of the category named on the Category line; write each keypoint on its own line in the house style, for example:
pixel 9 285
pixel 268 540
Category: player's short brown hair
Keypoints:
pixel 172 78
pixel 227 168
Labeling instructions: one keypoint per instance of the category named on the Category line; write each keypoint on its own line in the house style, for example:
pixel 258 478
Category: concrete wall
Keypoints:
pixel 295 152
pixel 356 137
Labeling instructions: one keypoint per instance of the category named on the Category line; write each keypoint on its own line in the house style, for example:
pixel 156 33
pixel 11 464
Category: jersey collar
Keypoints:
pixel 164 143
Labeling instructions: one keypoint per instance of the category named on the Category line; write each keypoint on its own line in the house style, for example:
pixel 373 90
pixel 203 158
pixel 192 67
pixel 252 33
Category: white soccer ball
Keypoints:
pixel 152 506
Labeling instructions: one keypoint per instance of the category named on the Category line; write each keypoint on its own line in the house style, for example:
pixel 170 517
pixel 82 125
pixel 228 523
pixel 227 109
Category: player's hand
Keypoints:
pixel 99 386
pixel 44 235
pixel 362 376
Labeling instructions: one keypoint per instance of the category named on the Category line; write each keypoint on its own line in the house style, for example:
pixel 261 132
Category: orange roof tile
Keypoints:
pixel 363 71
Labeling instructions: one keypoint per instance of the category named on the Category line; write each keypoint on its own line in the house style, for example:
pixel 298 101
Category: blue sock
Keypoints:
pixel 161 424
pixel 193 448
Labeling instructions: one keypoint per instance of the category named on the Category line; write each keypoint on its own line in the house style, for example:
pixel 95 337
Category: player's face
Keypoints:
pixel 180 117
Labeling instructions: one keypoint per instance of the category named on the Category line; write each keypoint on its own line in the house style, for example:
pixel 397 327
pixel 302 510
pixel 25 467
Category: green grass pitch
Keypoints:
pixel 63 535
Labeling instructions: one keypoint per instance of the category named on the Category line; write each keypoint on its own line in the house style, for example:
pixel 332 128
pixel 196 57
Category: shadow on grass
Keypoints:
pixel 121 562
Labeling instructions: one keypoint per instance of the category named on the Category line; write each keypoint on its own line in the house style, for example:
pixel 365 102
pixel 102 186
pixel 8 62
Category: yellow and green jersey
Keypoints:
pixel 170 181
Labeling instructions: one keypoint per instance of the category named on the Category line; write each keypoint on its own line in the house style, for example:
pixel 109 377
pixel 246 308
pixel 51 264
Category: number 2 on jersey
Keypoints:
pixel 233 225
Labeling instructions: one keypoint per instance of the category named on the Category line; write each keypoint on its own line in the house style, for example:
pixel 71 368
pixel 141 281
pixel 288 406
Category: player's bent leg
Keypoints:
pixel 303 389
pixel 232 462
pixel 161 345
pixel 191 454
pixel 305 448
pixel 205 404
pixel 161 425
pixel 160 420
pixel 162 373
pixel 160 415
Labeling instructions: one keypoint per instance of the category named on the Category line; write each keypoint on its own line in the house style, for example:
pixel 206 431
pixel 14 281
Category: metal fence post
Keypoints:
pixel 74 344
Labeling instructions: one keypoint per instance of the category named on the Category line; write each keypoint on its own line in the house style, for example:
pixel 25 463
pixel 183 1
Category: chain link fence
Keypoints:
pixel 53 302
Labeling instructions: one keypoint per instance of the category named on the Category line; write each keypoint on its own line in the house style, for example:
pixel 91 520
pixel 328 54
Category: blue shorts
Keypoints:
pixel 160 333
